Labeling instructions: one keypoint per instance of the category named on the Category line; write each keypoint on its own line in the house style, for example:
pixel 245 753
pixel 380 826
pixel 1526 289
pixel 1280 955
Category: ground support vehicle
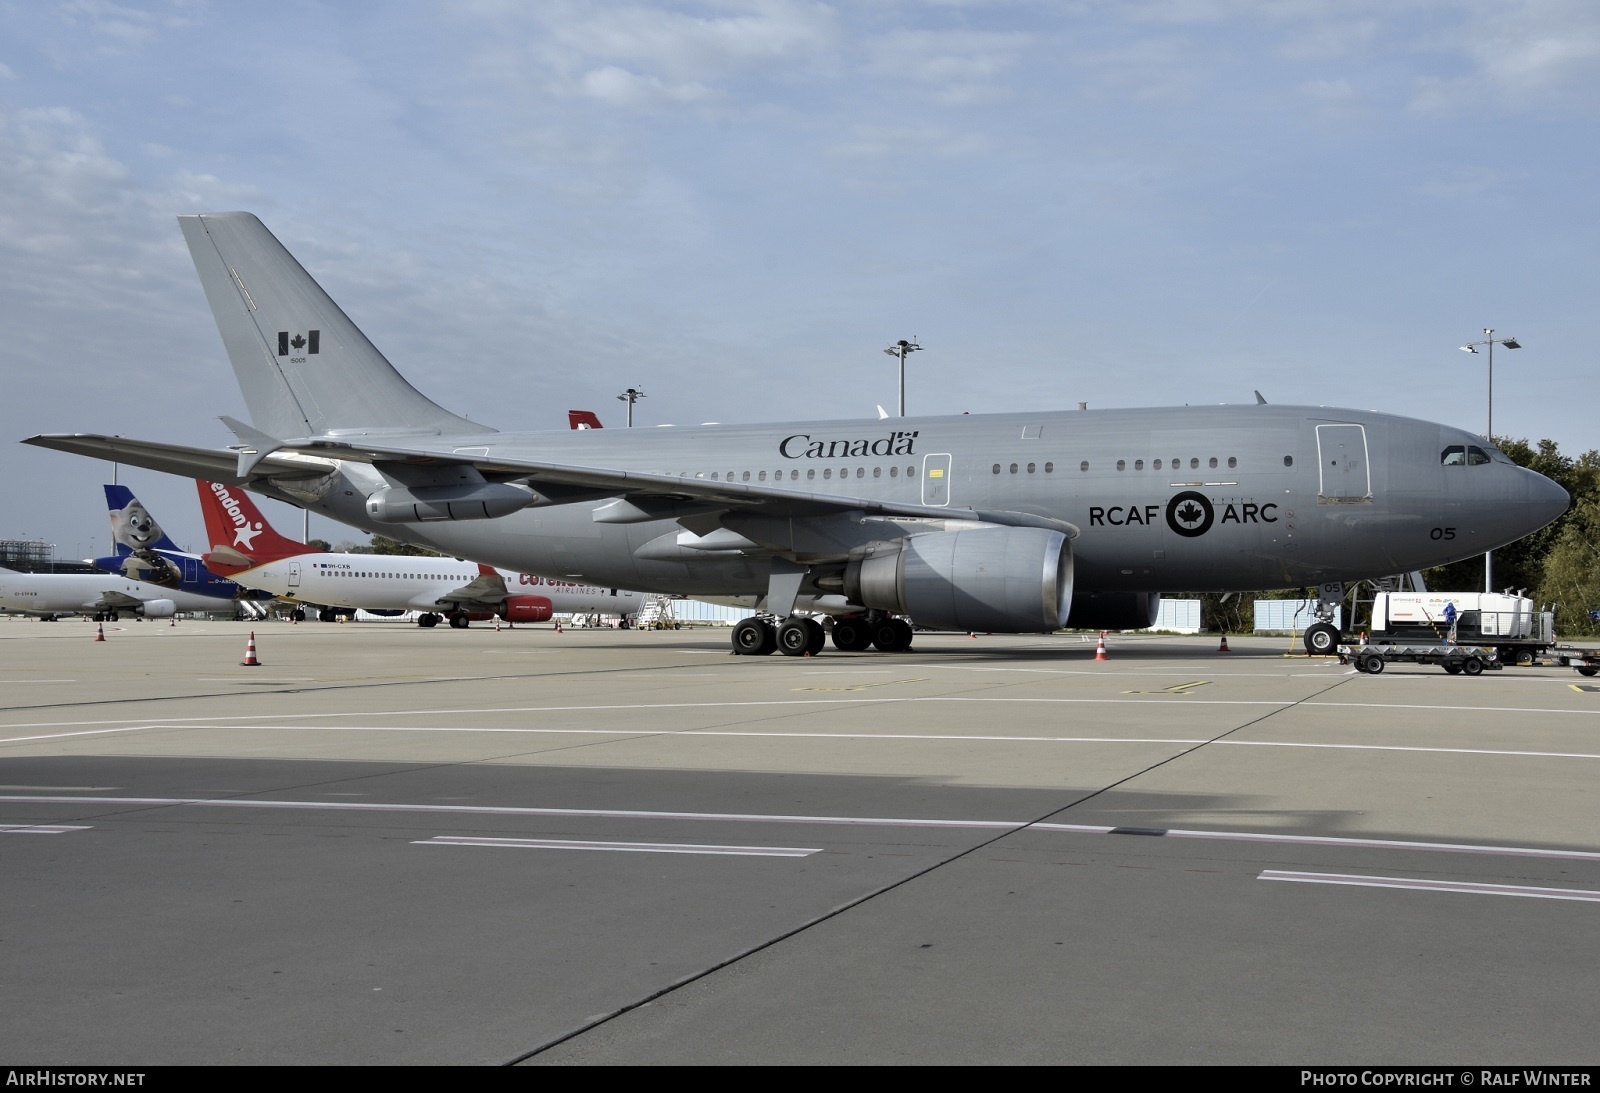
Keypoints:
pixel 1456 659
pixel 1586 661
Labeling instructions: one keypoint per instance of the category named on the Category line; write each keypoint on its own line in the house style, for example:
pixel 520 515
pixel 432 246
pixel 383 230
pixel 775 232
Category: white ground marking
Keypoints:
pixel 637 848
pixel 760 734
pixel 1420 885
pixel 38 829
pixel 855 821
pixel 877 700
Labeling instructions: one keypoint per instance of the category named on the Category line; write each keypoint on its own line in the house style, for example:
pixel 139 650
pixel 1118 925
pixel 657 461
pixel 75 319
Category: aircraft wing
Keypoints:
pixel 211 464
pixel 644 496
pixel 117 600
pixel 487 590
pixel 641 495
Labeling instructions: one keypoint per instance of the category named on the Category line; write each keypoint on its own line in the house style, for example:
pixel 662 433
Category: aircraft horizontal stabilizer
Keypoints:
pixel 212 464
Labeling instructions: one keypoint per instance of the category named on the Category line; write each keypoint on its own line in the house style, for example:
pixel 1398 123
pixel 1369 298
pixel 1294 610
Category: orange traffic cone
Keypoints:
pixel 1100 650
pixel 1223 648
pixel 497 624
pixel 558 626
pixel 250 660
pixel 100 633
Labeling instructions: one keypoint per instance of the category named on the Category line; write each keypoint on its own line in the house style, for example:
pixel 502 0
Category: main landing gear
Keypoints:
pixel 800 637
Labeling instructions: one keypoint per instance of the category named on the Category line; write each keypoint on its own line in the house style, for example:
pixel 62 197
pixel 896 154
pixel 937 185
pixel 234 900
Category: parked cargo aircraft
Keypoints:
pixel 141 551
pixel 245 547
pixel 1002 522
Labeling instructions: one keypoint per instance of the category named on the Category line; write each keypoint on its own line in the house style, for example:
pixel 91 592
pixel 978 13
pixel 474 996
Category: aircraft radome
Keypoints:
pixel 1020 522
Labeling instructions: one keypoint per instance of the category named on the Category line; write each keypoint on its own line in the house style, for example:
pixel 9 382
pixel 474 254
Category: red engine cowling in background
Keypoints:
pixel 527 609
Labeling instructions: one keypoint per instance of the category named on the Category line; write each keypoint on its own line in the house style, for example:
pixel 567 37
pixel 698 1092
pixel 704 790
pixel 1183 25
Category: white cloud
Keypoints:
pixel 619 87
pixel 960 65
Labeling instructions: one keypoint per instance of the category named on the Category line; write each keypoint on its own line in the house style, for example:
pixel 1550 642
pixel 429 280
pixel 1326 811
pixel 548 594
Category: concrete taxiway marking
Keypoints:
pixel 862 686
pixel 1420 885
pixel 1175 689
pixel 858 821
pixel 636 848
pixel 38 829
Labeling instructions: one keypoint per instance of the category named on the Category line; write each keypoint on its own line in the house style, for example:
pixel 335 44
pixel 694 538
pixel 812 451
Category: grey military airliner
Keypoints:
pixel 1014 523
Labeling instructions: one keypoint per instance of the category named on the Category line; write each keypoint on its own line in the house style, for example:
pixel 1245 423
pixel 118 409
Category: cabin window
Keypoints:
pixel 1013 468
pixel 911 472
pixel 1156 464
pixel 762 476
pixel 1213 462
pixel 861 472
pixel 1030 468
pixel 1138 464
pixel 1233 461
pixel 811 472
pixel 1194 463
pixel 877 472
pixel 1122 464
pixel 747 476
pixel 1288 461
pixel 827 472
pixel 713 476
pixel 894 472
pixel 1084 466
pixel 997 468
pixel 1049 468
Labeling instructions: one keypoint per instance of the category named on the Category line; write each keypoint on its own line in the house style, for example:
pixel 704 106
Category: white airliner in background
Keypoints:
pixel 101 596
pixel 247 549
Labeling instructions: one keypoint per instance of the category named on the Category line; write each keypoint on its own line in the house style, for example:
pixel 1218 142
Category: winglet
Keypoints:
pixel 257 445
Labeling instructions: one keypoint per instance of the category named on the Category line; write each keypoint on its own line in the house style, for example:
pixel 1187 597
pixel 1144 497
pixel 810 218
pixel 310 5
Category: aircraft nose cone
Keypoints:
pixel 1547 499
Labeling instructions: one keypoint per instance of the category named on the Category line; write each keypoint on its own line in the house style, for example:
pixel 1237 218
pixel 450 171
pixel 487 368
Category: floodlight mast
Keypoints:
pixel 1472 347
pixel 900 349
pixel 631 396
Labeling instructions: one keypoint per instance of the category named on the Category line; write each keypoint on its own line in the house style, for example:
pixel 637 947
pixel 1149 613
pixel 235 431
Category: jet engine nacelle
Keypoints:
pixel 1114 611
pixel 158 609
pixel 1000 580
pixel 527 609
pixel 417 504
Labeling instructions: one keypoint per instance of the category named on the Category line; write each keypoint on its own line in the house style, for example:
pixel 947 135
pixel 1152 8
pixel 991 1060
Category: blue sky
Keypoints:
pixel 736 205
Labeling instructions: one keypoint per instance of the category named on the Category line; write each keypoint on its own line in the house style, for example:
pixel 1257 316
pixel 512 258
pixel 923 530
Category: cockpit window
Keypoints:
pixel 1453 456
pixel 1476 455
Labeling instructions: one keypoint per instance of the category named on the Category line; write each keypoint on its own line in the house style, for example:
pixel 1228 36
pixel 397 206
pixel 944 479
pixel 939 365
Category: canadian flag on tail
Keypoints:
pixel 240 536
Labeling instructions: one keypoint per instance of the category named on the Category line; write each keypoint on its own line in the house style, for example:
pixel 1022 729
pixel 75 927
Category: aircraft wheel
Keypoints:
pixel 1453 667
pixel 753 638
pixel 1472 666
pixel 1588 671
pixel 851 635
pixel 458 620
pixel 1322 638
pixel 800 637
pixel 297 615
pixel 327 614
pixel 1372 664
pixel 892 635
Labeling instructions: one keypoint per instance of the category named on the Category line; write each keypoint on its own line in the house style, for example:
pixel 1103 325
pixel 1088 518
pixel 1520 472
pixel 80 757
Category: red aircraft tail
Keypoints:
pixel 240 536
pixel 583 419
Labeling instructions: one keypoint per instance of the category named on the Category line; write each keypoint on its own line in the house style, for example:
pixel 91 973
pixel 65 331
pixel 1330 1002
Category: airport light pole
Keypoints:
pixel 900 349
pixel 1472 347
pixel 630 396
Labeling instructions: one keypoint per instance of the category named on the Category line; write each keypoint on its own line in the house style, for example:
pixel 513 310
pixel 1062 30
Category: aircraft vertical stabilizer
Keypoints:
pixel 303 366
pixel 239 534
